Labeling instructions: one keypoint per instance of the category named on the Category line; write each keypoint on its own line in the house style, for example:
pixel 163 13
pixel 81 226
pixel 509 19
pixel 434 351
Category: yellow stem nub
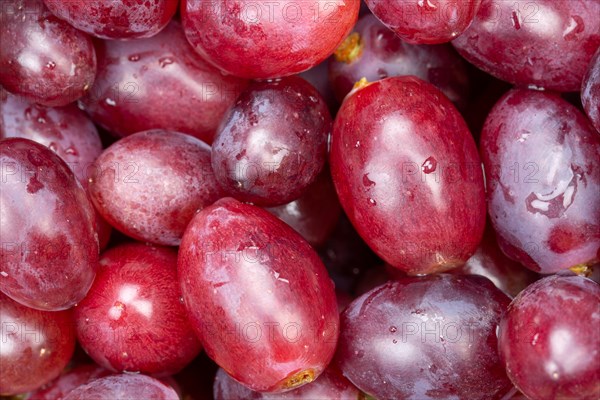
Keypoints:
pixel 360 84
pixel 581 270
pixel 350 49
pixel 299 379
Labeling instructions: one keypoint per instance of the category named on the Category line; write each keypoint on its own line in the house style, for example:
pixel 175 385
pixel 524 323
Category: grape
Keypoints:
pixel 273 143
pixel 425 338
pixel 124 387
pixel 542 44
pixel 72 379
pixel 315 214
pixel 549 339
pixel 159 83
pixel 407 172
pixel 43 58
pixel 543 189
pixel 115 19
pixel 590 91
pixel 135 305
pixel 426 21
pixel 36 346
pixel 329 386
pixel 264 39
pixel 246 277
pixel 374 52
pixel 49 242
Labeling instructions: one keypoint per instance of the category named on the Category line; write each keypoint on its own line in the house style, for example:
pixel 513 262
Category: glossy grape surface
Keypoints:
pixel 543 183
pixel 246 278
pixel 133 318
pixel 43 58
pixel 69 380
pixel 159 83
pixel 264 39
pixel 36 346
pixel 425 338
pixel 549 339
pixel 590 91
pixel 150 184
pixel 407 172
pixel 273 142
pixel 115 19
pixel 124 387
pixel 49 242
pixel 544 44
pixel 426 21
pixel 378 53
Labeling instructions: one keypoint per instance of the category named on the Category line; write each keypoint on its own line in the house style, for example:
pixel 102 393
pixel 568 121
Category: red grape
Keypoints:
pixel 590 91
pixel 407 173
pixel 36 346
pixel 273 143
pixel 426 21
pixel 246 279
pixel 425 338
pixel 69 380
pixel 375 52
pixel 265 39
pixel 49 242
pixel 115 19
pixel 544 44
pixel 549 339
pixel 159 83
pixel 135 305
pixel 543 185
pixel 124 387
pixel 43 58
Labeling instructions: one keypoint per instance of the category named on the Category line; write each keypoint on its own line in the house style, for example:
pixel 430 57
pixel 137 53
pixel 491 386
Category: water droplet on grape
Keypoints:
pixel 372 201
pixel 429 165
pixel 164 61
pixel 50 65
pixel 134 57
pixel 110 102
pixel 393 329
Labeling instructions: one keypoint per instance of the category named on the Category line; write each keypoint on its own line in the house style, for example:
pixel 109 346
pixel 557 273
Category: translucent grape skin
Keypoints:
pixel 159 83
pixel 69 380
pixel 406 170
pixel 375 52
pixel 590 91
pixel 135 305
pixel 36 346
pixel 315 214
pixel 246 277
pixel 272 143
pixel 518 41
pixel 141 189
pixel 124 387
pixel 50 246
pixel 43 58
pixel 331 385
pixel 543 187
pixel 549 339
pixel 426 22
pixel 117 19
pixel 265 40
pixel 425 338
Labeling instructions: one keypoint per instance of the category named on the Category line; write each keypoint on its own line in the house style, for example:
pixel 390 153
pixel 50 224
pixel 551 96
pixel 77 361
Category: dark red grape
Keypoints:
pixel 426 21
pixel 141 189
pixel 374 52
pixel 549 339
pixel 115 19
pixel 407 172
pixel 315 214
pixel 69 380
pixel 273 143
pixel 135 305
pixel 543 185
pixel 329 386
pixel 43 58
pixel 542 44
pixel 246 279
pixel 36 346
pixel 590 91
pixel 159 83
pixel 425 338
pixel 49 243
pixel 124 387
pixel 265 39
